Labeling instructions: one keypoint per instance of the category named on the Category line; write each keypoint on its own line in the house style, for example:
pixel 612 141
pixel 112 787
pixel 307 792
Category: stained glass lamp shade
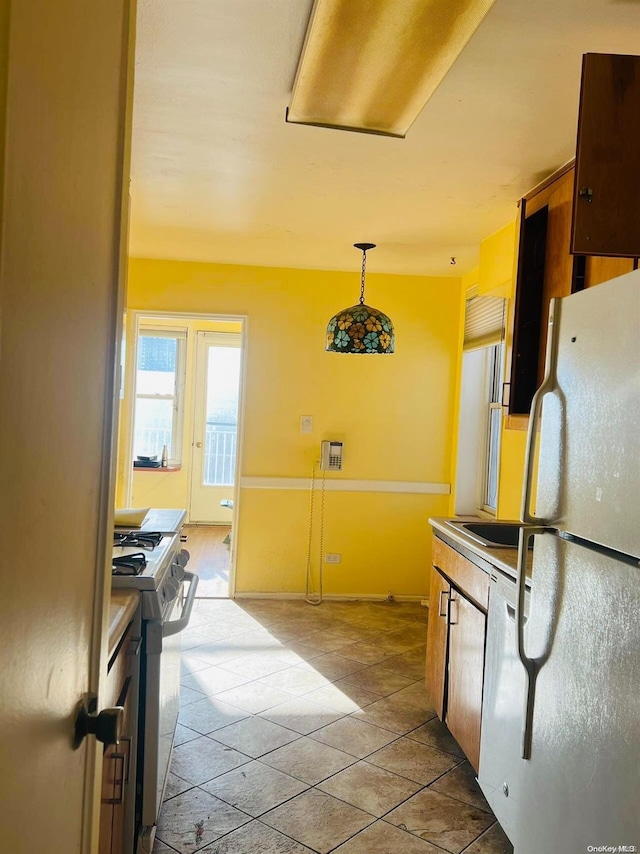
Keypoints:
pixel 360 328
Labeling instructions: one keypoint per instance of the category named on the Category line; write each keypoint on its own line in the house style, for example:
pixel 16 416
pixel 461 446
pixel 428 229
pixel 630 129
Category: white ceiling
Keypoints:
pixel 217 174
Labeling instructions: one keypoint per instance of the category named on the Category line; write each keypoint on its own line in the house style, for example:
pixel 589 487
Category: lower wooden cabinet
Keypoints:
pixel 118 761
pixel 458 596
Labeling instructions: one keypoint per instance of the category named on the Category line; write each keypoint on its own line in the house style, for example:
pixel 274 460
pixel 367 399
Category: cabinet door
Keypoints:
pixel 467 626
pixel 607 188
pixel 436 669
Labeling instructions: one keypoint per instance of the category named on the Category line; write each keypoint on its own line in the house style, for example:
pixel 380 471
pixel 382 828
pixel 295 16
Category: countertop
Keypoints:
pixel 121 610
pixel 503 558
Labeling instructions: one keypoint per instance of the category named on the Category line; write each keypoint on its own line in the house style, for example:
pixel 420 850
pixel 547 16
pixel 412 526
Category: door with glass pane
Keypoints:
pixel 215 431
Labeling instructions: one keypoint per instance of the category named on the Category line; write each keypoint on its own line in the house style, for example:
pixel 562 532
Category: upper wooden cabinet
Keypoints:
pixel 606 204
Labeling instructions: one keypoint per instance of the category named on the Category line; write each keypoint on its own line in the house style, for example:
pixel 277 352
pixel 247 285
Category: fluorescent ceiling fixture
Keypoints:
pixel 372 65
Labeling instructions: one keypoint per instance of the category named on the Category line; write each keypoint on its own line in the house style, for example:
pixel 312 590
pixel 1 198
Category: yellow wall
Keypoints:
pixel 394 414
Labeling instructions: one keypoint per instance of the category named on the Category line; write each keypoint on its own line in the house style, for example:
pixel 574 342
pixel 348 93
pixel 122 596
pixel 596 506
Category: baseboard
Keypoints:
pixel 336 597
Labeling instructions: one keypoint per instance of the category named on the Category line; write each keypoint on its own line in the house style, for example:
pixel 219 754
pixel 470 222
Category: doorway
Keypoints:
pixel 185 381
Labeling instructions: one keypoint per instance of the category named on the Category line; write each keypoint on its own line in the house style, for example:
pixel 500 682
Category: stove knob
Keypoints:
pixel 171 588
pixel 183 557
pixel 177 571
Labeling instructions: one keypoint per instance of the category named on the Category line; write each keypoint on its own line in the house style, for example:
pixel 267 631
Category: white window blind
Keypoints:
pixel 484 322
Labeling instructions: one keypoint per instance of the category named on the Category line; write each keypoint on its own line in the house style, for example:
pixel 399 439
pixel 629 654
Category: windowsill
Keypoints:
pixel 163 469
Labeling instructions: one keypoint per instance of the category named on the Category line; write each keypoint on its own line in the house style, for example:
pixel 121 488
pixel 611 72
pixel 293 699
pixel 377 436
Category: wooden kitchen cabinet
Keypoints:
pixel 437 636
pixel 118 762
pixel 607 179
pixel 458 597
pixel 546 269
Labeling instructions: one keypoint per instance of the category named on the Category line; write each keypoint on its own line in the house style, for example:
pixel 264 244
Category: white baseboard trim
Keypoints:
pixel 336 484
pixel 334 597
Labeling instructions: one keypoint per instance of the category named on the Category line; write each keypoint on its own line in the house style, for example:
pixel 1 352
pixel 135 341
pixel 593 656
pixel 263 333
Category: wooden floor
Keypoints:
pixel 210 558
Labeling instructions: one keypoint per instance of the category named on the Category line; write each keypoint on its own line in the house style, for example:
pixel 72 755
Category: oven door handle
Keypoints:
pixel 173 627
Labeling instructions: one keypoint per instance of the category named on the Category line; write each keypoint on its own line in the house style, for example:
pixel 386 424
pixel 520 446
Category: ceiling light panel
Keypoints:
pixel 372 65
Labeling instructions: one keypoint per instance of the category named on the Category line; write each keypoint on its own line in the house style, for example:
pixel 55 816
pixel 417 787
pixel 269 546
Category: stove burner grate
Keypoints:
pixel 129 564
pixel 147 540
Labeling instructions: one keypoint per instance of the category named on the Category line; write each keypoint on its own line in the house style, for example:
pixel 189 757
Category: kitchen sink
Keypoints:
pixel 492 534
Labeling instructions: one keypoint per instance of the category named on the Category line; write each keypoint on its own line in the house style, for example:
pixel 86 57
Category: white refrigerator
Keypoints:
pixel 560 743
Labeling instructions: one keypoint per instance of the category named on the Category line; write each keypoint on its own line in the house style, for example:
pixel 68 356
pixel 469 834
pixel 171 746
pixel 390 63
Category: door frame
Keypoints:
pixel 132 325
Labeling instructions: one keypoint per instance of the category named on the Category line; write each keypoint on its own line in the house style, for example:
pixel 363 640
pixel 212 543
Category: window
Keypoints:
pixel 493 421
pixel 159 392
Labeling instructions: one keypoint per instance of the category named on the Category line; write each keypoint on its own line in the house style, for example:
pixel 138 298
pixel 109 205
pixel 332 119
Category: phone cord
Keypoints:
pixel 311 597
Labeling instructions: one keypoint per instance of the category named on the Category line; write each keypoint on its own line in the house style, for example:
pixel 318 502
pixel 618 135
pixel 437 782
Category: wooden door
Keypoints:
pixel 607 187
pixel 61 291
pixel 467 626
pixel 437 629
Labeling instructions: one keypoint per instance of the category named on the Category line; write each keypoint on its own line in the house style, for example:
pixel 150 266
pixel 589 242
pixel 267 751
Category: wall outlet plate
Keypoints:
pixel 332 557
pixel 306 423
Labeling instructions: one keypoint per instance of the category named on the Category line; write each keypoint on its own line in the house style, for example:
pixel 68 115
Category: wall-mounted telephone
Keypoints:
pixel 331 456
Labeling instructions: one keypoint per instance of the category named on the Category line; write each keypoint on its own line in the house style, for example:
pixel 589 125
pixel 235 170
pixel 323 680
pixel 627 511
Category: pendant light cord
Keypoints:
pixel 364 267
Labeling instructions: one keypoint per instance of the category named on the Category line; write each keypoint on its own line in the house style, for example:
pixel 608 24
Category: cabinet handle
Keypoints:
pixel 453 600
pixel 442 613
pixel 134 645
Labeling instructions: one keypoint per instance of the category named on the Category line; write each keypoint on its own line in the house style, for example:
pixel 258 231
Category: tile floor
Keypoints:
pixel 308 729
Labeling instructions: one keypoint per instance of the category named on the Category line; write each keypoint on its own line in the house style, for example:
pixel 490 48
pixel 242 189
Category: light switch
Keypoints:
pixel 306 423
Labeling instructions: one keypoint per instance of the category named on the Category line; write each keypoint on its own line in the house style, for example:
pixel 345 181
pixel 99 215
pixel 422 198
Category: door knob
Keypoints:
pixel 198 444
pixel 105 725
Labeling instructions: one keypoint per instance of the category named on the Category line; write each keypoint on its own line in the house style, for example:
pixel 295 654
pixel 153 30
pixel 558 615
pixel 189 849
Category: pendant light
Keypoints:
pixel 360 328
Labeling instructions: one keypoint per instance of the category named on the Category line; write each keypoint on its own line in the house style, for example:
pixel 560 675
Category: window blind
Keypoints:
pixel 483 322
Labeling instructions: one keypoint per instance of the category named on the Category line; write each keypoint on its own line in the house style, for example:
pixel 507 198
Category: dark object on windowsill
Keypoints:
pixel 146 464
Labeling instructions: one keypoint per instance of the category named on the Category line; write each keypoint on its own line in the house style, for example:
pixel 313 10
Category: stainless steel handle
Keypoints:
pixel 172 627
pixel 548 385
pixel 442 613
pixel 530 665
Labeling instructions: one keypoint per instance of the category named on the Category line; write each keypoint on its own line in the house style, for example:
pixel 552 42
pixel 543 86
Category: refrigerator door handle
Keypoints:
pixel 530 664
pixel 549 384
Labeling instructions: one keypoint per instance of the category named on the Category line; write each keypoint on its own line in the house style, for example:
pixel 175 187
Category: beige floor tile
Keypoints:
pixel 493 841
pixel 255 666
pixel 251 641
pixel 461 784
pixel 213 680
pixel 254 736
pixel 254 697
pixel 308 760
pixel 256 838
pixel 317 820
pixel 327 641
pixel 203 759
pixel 437 735
pixel 418 654
pixel 366 653
pixel 343 697
pixel 393 715
pixel 379 681
pixel 383 838
pixel 161 848
pixel 416 695
pixel 190 821
pixel 188 696
pixel 413 760
pixel 175 786
pixel 413 670
pixel 296 680
pixel 189 665
pixel 209 714
pixel 301 715
pixel 352 632
pixel 255 788
pixel 213 653
pixel 444 821
pixel 400 641
pixel 184 734
pixel 370 788
pixel 355 737
pixel 334 666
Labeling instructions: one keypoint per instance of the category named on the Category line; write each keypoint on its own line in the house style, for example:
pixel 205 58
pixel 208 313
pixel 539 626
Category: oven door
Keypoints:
pixel 162 700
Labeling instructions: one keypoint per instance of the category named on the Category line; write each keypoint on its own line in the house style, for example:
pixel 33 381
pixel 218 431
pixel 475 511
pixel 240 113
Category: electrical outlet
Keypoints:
pixel 306 423
pixel 332 557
